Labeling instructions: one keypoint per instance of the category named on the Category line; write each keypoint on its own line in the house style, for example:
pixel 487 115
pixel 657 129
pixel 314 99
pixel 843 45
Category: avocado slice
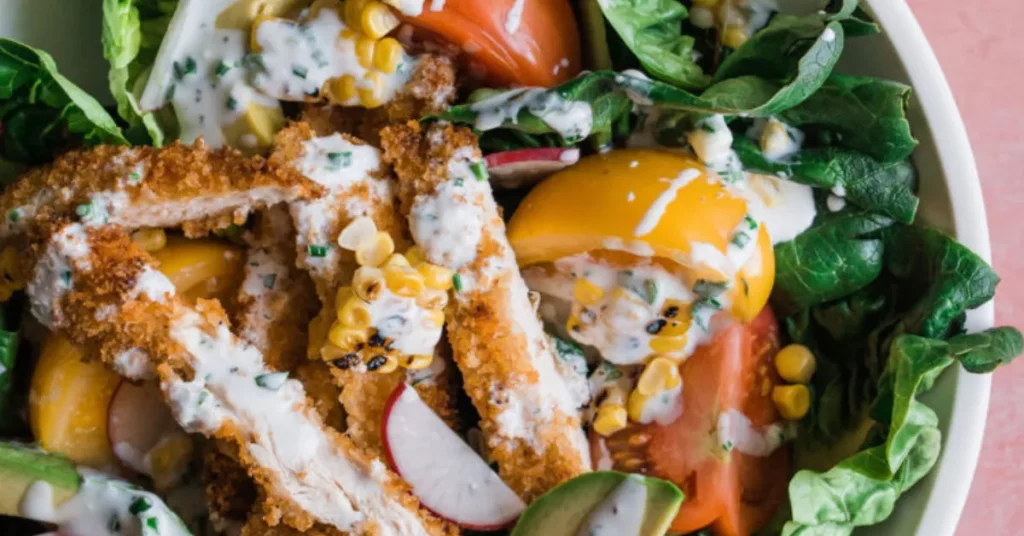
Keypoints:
pixel 21 467
pixel 585 501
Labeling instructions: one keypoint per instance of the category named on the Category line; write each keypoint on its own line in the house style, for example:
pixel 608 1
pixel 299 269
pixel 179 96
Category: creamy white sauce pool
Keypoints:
pixel 652 217
pixel 449 224
pixel 334 162
pixel 573 120
pixel 735 431
pixel 665 407
pixel 407 324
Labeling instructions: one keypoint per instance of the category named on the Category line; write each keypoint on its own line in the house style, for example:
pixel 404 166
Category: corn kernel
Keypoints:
pixel 659 375
pixel 387 54
pixel 341 90
pixel 150 239
pixel 371 92
pixel 573 325
pixel 359 230
pixel 375 251
pixel 792 401
pixel 735 36
pixel 330 352
pixel 404 282
pixel 587 293
pixel 677 310
pixel 416 255
pixel 795 363
pixel 169 459
pixel 318 328
pixel 377 20
pixel 434 318
pixel 342 295
pixel 635 405
pixel 417 362
pixel 397 260
pixel 354 11
pixel 435 277
pixel 668 344
pixel 382 364
pixel 364 51
pixel 368 282
pixel 354 313
pixel 610 418
pixel 10 268
pixel 347 338
pixel 432 299
pixel 614 395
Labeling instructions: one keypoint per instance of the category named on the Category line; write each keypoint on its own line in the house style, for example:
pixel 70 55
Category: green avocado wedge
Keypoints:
pixel 581 501
pixel 20 467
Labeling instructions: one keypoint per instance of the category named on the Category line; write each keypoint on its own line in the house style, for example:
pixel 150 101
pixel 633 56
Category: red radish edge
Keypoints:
pixel 524 166
pixel 392 400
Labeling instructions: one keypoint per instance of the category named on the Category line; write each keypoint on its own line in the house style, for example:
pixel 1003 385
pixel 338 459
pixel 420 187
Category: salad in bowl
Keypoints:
pixel 438 267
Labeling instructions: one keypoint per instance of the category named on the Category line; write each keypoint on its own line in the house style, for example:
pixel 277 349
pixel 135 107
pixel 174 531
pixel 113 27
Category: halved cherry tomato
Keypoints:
pixel 732 492
pixel 543 50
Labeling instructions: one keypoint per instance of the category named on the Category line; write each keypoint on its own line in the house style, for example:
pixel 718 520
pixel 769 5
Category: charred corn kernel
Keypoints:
pixel 354 313
pixel 382 364
pixel 354 11
pixel 364 51
pixel 368 282
pixel 330 352
pixel 403 281
pixel 377 20
pixel 795 363
pixel 416 255
pixel 668 344
pixel 587 293
pixel 659 375
pixel 435 318
pixel 735 36
pixel 417 362
pixel 635 405
pixel 150 239
pixel 397 260
pixel 347 338
pixel 375 251
pixel 318 328
pixel 610 418
pixel 341 90
pixel 672 328
pixel 435 277
pixel 792 401
pixel 371 92
pixel 387 54
pixel 432 299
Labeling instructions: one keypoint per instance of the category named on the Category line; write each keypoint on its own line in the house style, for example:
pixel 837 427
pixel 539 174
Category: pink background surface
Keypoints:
pixel 979 49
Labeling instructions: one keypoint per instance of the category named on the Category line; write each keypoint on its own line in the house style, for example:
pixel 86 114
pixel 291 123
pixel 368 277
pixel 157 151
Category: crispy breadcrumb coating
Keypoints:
pixel 187 186
pixel 100 290
pixel 497 340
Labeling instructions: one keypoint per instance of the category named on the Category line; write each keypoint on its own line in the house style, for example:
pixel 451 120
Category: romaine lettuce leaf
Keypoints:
pixel 43 113
pixel 9 418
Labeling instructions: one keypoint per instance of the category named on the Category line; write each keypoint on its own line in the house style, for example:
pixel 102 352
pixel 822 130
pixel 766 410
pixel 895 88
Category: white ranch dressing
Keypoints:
pixel 515 16
pixel 573 120
pixel 654 213
pixel 785 208
pixel 621 513
pixel 408 325
pixel 335 162
pixel 53 275
pixel 735 431
pixel 412 8
pixel 665 407
pixel 449 224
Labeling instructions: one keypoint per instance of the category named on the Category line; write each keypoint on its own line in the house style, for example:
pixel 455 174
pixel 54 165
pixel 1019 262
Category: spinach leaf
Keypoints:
pixel 863 489
pixel 883 188
pixel 828 261
pixel 43 113
pixel 867 115
pixel 132 32
pixel 652 29
pixel 9 419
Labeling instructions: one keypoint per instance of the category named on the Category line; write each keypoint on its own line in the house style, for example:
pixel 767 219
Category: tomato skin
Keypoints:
pixel 732 492
pixel 531 56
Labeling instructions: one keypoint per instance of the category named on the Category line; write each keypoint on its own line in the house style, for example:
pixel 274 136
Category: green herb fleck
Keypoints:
pixel 184 68
pixel 151 523
pixel 751 222
pixel 458 181
pixel 134 177
pixel 170 92
pixel 740 240
pixel 139 505
pixel 114 524
pixel 268 281
pixel 271 380
pixel 707 289
pixel 457 282
pixel 232 103
pixel 650 291
pixel 13 216
pixel 300 71
pixel 203 396
pixel 318 251
pixel 727 446
pixel 83 210
pixel 479 170
pixel 222 69
pixel 66 277
pixel 340 160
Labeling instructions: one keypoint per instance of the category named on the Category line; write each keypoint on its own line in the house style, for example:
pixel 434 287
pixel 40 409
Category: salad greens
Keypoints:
pixel 43 113
pixel 8 356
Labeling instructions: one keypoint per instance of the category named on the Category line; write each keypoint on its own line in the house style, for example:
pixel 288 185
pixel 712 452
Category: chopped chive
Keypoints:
pixel 203 395
pixel 170 92
pixel 232 103
pixel 300 71
pixel 740 240
pixel 66 277
pixel 185 68
pixel 650 291
pixel 114 524
pixel 458 181
pixel 134 177
pixel 340 160
pixel 268 280
pixel 83 210
pixel 222 69
pixel 139 505
pixel 707 289
pixel 151 523
pixel 318 251
pixel 727 446
pixel 13 216
pixel 479 170
pixel 457 282
pixel 751 222
pixel 272 380
pixel 318 57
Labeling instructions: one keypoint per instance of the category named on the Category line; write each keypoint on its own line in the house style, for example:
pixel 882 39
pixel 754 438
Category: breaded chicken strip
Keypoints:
pixel 527 414
pixel 276 300
pixel 102 291
pixel 192 187
pixel 430 90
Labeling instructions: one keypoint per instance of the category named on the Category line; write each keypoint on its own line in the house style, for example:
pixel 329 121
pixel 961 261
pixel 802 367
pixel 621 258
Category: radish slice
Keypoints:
pixel 515 169
pixel 449 478
pixel 143 432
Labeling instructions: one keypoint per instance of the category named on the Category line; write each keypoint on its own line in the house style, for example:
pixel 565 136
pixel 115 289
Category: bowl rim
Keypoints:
pixel 952 474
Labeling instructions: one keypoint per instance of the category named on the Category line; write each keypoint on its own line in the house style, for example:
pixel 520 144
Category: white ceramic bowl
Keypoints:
pixel 950 199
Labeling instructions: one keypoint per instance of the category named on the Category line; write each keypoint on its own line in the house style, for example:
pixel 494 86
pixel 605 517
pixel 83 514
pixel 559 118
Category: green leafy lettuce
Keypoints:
pixel 9 419
pixel 862 490
pixel 132 32
pixel 652 30
pixel 43 113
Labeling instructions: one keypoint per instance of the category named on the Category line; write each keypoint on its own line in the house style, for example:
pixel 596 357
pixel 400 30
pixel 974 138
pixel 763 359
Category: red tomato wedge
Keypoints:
pixel 733 493
pixel 542 50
